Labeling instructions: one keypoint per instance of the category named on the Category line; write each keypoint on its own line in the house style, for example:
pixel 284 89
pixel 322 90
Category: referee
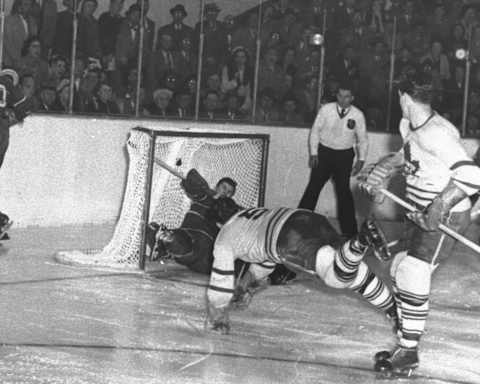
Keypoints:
pixel 338 135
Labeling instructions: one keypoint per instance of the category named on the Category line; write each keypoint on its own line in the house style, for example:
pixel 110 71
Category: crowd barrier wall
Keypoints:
pixel 62 170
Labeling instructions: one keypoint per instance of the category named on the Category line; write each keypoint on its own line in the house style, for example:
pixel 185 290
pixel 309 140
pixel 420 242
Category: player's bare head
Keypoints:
pixel 226 187
pixel 345 94
pixel 414 95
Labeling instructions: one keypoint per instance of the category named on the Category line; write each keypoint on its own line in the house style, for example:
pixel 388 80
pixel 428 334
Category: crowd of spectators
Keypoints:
pixel 358 41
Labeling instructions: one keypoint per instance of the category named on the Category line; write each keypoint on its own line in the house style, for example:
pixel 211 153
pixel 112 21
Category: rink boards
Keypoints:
pixel 72 170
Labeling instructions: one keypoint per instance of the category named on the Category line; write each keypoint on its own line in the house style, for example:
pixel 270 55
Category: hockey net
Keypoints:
pixel 215 155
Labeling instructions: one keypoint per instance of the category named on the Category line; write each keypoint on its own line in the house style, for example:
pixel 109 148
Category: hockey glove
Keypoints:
pixel 375 177
pixel 438 211
pixel 218 319
pixel 195 186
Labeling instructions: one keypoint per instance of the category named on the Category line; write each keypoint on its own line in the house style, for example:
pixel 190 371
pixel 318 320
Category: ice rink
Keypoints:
pixel 65 324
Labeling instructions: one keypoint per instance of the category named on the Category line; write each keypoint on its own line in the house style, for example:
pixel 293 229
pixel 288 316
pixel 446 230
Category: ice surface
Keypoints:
pixel 63 324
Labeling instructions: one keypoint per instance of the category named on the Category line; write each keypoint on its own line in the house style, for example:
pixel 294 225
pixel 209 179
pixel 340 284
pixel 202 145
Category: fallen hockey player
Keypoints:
pixel 192 243
pixel 300 239
pixel 14 107
pixel 440 177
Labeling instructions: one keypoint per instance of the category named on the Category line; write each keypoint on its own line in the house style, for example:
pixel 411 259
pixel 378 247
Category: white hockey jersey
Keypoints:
pixel 251 235
pixel 434 155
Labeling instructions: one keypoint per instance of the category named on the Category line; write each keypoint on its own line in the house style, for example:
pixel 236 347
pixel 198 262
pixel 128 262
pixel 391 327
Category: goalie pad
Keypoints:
pixel 376 176
pixel 195 186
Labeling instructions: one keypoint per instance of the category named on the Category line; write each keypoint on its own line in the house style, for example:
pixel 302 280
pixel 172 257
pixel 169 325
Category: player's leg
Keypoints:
pixel 411 278
pixel 318 177
pixel 341 181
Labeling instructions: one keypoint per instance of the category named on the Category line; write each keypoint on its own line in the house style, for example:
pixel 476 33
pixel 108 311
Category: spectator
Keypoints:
pixel 346 66
pixel 266 111
pixel 190 83
pixel 289 64
pixel 237 77
pixel 290 115
pixel 475 45
pixel 62 44
pixel 148 29
pixel 376 18
pixel 163 60
pixel 230 28
pixel 313 13
pixel 32 61
pixel 177 29
pixel 88 42
pixel 161 102
pixel 27 83
pixel 344 14
pixel 306 95
pixel 211 106
pixel 183 104
pixel 233 109
pixel 469 20
pixel 109 25
pixel 85 97
pixel 19 26
pixel 405 66
pixel 80 68
pixel 62 102
pixel 270 74
pixel 103 101
pixel 127 106
pixel 311 65
pixel 457 40
pixel 454 94
pixel 215 39
pixel 47 26
pixel 57 69
pixel 186 59
pixel 214 83
pixel 127 44
pixel 46 96
pixel 436 62
pixel 246 36
pixel 438 24
pixel 170 81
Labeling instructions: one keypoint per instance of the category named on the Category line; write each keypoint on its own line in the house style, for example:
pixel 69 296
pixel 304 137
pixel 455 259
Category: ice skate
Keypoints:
pixel 163 236
pixel 401 362
pixel 5 224
pixel 372 235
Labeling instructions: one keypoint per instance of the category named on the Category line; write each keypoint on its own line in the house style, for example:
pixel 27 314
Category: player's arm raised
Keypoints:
pixel 464 181
pixel 221 288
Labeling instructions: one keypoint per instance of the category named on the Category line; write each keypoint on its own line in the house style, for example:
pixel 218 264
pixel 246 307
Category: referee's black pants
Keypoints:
pixel 335 164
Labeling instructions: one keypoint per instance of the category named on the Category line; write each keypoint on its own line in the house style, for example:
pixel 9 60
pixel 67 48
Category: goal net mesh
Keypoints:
pixel 235 156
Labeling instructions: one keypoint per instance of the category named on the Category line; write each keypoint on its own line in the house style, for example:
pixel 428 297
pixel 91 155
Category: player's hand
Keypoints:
pixel 218 319
pixel 357 167
pixel 313 161
pixel 431 218
pixel 371 181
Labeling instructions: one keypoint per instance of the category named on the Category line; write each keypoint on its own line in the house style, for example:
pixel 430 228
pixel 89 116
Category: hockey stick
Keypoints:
pixel 448 231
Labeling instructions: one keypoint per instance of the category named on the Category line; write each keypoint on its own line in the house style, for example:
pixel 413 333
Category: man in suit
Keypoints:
pixel 163 61
pixel 177 29
pixel 62 44
pixel 215 41
pixel 19 25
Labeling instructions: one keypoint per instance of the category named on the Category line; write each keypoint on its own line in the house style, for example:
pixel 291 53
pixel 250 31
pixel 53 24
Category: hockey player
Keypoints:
pixel 192 243
pixel 300 239
pixel 14 107
pixel 440 177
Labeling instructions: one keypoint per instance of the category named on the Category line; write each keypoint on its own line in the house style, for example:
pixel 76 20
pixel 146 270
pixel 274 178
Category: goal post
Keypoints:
pixel 153 194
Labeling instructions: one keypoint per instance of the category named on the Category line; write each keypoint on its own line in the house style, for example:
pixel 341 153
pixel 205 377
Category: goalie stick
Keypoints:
pixel 442 227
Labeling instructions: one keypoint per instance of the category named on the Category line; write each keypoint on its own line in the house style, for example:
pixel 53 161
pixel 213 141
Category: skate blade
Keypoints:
pixel 408 374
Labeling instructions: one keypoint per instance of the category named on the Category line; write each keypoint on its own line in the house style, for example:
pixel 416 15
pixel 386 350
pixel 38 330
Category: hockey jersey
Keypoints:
pixel 252 236
pixel 434 155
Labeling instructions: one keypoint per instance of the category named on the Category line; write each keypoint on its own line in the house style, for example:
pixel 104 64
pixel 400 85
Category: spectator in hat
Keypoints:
pixel 215 38
pixel 177 29
pixel 109 26
pixel 46 98
pixel 267 111
pixel 103 100
pixel 19 26
pixel 161 102
pixel 88 32
pixel 32 60
pixel 183 107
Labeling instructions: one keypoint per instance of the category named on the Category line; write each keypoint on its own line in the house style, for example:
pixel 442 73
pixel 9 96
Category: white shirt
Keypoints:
pixel 332 131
